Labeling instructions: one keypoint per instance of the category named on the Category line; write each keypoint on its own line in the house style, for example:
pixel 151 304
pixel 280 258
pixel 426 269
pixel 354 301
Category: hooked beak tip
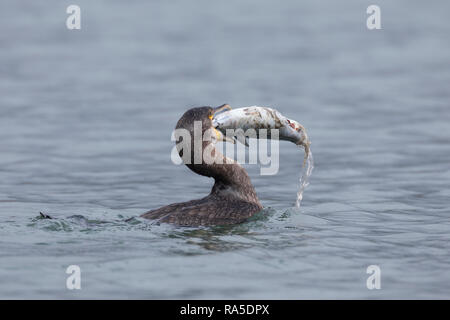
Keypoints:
pixel 222 108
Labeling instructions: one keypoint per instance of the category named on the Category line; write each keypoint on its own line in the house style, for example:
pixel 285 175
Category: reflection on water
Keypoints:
pixel 86 119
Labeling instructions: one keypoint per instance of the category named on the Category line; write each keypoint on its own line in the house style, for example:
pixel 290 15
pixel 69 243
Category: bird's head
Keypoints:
pixel 197 121
pixel 195 131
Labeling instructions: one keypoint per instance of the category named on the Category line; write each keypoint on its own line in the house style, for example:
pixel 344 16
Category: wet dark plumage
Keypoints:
pixel 232 199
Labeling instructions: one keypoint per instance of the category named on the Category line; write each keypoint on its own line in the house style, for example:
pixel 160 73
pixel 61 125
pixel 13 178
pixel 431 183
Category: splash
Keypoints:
pixel 307 168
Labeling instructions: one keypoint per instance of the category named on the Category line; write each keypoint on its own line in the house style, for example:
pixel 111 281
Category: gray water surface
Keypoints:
pixel 85 124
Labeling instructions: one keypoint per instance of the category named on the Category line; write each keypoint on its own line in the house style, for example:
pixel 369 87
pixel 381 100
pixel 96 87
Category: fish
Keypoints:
pixel 257 118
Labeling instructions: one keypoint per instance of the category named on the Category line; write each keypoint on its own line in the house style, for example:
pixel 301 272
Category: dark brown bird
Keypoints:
pixel 232 199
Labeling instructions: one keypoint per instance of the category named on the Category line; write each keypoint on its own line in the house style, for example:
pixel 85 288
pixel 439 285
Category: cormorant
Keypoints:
pixel 232 198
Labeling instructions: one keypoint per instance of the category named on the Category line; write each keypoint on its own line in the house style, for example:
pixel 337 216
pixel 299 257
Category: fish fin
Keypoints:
pixel 242 138
pixel 228 139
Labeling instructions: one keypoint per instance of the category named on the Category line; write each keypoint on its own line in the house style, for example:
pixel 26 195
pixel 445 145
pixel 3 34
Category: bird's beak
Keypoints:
pixel 221 108
pixel 219 135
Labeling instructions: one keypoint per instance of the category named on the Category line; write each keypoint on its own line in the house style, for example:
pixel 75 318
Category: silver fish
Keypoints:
pixel 255 117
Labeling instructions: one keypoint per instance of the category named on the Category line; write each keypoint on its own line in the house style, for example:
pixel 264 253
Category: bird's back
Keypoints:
pixel 210 210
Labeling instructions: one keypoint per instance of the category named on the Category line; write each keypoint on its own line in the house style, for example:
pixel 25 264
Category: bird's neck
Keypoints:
pixel 233 182
pixel 231 179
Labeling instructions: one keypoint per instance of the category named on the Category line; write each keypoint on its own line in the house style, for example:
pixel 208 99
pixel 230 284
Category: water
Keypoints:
pixel 86 119
pixel 305 176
